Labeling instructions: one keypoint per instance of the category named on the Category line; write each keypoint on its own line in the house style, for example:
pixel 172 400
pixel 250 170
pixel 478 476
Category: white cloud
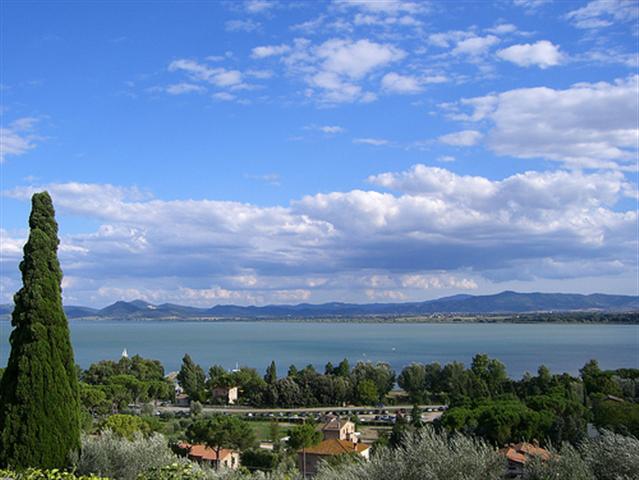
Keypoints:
pixel 502 28
pixel 258 6
pixel 403 84
pixel 327 129
pixel 530 4
pixel 446 158
pixel 475 46
pixel 542 54
pixel 465 138
pixel 269 51
pixel 224 96
pixel 219 77
pixel 17 138
pixel 181 88
pixel 591 125
pixel 356 59
pixel 246 25
pixel 377 142
pixel 436 228
pixel 603 13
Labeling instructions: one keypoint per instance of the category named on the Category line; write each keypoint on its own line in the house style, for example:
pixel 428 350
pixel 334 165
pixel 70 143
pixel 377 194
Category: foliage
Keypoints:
pixel 192 379
pixel 126 426
pixel 566 464
pixel 37 474
pixel 425 456
pixel 39 401
pixel 111 455
pixel 258 459
pixel 175 471
pixel 304 436
pixel 620 417
pixel 221 431
pixel 612 456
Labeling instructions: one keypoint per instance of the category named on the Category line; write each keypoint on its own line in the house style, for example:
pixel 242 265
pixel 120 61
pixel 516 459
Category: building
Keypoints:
pixel 336 428
pixel 340 438
pixel 310 458
pixel 208 456
pixel 228 395
pixel 182 400
pixel 518 454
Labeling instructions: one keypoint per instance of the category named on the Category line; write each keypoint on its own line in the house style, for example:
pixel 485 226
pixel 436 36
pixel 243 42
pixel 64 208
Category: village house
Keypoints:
pixel 182 400
pixel 340 438
pixel 207 456
pixel 336 428
pixel 518 454
pixel 228 395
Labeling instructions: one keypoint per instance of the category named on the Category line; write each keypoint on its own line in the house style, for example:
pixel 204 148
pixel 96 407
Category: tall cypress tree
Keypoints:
pixel 39 405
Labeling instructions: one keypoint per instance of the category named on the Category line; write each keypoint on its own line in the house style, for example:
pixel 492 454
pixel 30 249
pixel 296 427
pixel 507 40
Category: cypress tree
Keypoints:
pixel 39 403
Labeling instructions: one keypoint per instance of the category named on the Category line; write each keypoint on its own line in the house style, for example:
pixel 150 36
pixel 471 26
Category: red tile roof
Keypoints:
pixel 521 452
pixel 202 452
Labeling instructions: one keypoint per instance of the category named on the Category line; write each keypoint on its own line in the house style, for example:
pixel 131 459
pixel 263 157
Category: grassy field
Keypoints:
pixel 262 429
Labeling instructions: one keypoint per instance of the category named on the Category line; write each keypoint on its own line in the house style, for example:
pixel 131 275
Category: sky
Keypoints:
pixel 256 152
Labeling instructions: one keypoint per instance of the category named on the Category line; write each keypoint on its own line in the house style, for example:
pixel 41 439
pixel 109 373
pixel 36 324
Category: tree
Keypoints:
pixel 302 437
pixel 125 426
pixel 367 393
pixel 271 374
pixel 413 381
pixel 192 378
pixel 329 369
pixel 343 369
pixel 39 400
pixel 220 431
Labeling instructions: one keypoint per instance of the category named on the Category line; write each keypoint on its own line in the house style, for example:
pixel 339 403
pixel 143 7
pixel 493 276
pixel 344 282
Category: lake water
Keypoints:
pixel 522 347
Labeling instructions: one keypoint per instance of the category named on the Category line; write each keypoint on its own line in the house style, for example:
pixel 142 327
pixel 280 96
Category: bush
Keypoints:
pixel 566 465
pixel 111 455
pixel 37 474
pixel 425 456
pixel 612 456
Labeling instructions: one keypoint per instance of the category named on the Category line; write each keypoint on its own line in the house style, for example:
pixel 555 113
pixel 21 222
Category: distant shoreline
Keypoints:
pixel 610 318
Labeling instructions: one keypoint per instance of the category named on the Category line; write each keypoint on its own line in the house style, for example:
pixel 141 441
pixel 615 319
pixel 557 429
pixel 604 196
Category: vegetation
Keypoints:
pixel 39 400
pixel 113 456
pixel 219 432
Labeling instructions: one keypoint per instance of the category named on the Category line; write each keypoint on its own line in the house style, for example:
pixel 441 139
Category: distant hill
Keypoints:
pixel 505 302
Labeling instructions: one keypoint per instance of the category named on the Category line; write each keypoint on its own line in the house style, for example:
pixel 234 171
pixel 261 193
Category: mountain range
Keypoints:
pixel 504 302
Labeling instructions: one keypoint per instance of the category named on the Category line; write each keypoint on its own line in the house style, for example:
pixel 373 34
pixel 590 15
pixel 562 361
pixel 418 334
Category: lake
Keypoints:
pixel 522 347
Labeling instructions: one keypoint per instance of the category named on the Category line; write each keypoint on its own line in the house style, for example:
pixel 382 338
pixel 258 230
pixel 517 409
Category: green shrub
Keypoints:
pixel 37 474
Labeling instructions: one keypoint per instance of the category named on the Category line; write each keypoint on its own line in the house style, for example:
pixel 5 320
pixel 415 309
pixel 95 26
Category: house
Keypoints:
pixel 228 395
pixel 340 438
pixel 208 456
pixel 310 458
pixel 336 428
pixel 518 454
pixel 182 400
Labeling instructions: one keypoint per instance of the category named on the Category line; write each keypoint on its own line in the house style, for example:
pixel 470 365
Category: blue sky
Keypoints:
pixel 259 151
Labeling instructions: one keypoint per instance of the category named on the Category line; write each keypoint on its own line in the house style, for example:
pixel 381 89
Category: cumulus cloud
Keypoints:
pixel 475 46
pixel 269 51
pixel 403 84
pixel 438 231
pixel 336 69
pixel 542 54
pixel 465 138
pixel 591 125
pixel 17 138
pixel 182 88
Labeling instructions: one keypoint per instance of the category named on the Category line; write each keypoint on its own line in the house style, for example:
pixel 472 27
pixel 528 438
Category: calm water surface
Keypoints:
pixel 563 348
